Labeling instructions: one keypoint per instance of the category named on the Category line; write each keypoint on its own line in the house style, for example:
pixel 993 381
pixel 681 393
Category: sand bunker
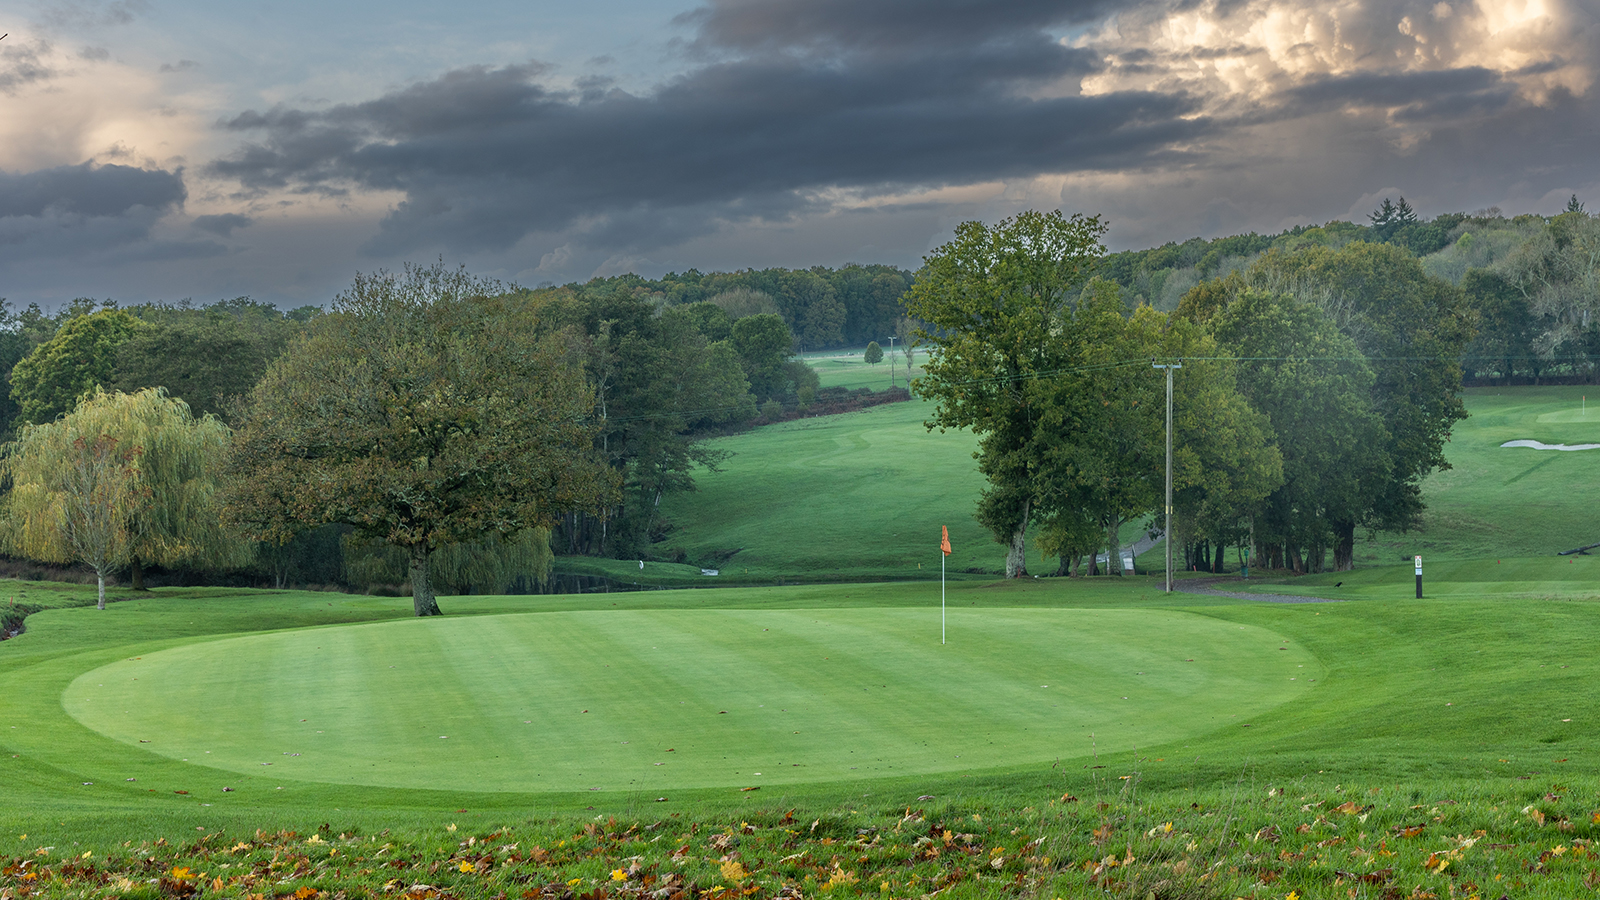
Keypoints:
pixel 1537 445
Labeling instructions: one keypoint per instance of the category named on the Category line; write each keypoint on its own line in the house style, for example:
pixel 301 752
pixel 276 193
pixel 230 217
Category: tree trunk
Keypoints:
pixel 1113 554
pixel 135 574
pixel 1344 546
pixel 1221 560
pixel 101 577
pixel 422 599
pixel 1295 562
pixel 1064 567
pixel 1016 555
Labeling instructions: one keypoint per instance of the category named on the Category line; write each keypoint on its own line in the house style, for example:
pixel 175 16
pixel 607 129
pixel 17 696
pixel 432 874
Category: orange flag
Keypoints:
pixel 944 540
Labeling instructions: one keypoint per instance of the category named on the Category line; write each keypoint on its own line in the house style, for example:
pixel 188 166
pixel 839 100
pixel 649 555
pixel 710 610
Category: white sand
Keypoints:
pixel 1542 446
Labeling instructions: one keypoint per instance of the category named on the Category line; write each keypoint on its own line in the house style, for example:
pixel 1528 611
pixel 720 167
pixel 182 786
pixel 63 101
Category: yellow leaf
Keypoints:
pixel 619 875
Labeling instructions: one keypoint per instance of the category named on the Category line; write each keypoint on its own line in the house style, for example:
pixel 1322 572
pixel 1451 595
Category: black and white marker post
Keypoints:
pixel 1419 577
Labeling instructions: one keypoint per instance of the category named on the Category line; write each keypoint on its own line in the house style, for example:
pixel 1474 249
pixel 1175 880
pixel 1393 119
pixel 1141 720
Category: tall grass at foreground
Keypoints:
pixel 1109 837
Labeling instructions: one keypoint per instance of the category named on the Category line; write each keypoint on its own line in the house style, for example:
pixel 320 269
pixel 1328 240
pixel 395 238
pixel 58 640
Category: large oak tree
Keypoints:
pixel 993 301
pixel 428 409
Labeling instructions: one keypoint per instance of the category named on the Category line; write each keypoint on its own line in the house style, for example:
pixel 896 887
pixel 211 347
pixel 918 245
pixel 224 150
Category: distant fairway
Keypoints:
pixel 861 494
pixel 857 495
pixel 1498 502
pixel 596 699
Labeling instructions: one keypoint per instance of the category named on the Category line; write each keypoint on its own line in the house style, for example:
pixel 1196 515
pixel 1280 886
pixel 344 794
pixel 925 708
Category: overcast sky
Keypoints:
pixel 171 149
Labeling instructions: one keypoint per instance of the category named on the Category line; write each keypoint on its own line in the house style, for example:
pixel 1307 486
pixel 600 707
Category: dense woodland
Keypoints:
pixel 1402 310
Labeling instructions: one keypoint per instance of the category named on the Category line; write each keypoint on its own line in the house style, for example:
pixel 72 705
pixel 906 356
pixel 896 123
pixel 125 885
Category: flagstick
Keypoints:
pixel 941 598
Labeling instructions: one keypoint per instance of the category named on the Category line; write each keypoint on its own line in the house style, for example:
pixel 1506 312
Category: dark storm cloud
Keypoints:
pixel 89 191
pixel 1442 89
pixel 883 24
pixel 223 224
pixel 484 156
pixel 78 210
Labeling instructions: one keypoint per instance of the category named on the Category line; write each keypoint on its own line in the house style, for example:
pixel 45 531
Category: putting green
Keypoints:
pixel 654 700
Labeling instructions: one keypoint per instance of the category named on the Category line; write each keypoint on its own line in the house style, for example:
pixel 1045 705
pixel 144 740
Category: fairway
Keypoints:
pixel 661 699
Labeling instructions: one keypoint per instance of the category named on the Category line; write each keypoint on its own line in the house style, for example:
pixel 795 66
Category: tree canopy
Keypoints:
pixel 993 299
pixel 50 380
pixel 123 480
pixel 429 408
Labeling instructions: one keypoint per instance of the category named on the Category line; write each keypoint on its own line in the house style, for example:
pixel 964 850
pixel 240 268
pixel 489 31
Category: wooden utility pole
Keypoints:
pixel 1168 535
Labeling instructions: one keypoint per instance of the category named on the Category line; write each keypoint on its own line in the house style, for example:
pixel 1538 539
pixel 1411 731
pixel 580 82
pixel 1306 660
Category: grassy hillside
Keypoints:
pixel 855 495
pixel 1503 502
pixel 858 495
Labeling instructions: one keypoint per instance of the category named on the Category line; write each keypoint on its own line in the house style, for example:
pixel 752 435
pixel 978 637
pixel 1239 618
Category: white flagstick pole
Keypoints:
pixel 941 596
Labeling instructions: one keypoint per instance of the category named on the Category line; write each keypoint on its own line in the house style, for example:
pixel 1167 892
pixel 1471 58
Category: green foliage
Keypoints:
pixel 209 357
pixel 662 385
pixel 1411 326
pixel 1104 438
pixel 50 380
pixel 513 564
pixel 426 410
pixel 1506 327
pixel 763 343
pixel 994 301
pixel 1557 271
pixel 874 354
pixel 742 301
pixel 20 333
pixel 709 319
pixel 1313 386
pixel 137 470
pixel 822 307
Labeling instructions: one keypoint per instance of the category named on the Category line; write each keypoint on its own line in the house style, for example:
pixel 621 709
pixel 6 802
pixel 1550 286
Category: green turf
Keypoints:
pixel 1455 713
pixel 666 699
pixel 851 371
pixel 856 495
pixel 1500 502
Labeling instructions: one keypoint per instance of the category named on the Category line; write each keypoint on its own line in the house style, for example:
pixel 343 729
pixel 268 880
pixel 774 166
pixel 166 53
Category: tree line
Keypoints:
pixel 401 387
pixel 1321 368
pixel 1317 389
pixel 1531 283
pixel 667 365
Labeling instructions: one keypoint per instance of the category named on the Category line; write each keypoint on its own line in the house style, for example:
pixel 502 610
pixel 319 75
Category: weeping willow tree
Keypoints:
pixel 488 565
pixel 122 480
